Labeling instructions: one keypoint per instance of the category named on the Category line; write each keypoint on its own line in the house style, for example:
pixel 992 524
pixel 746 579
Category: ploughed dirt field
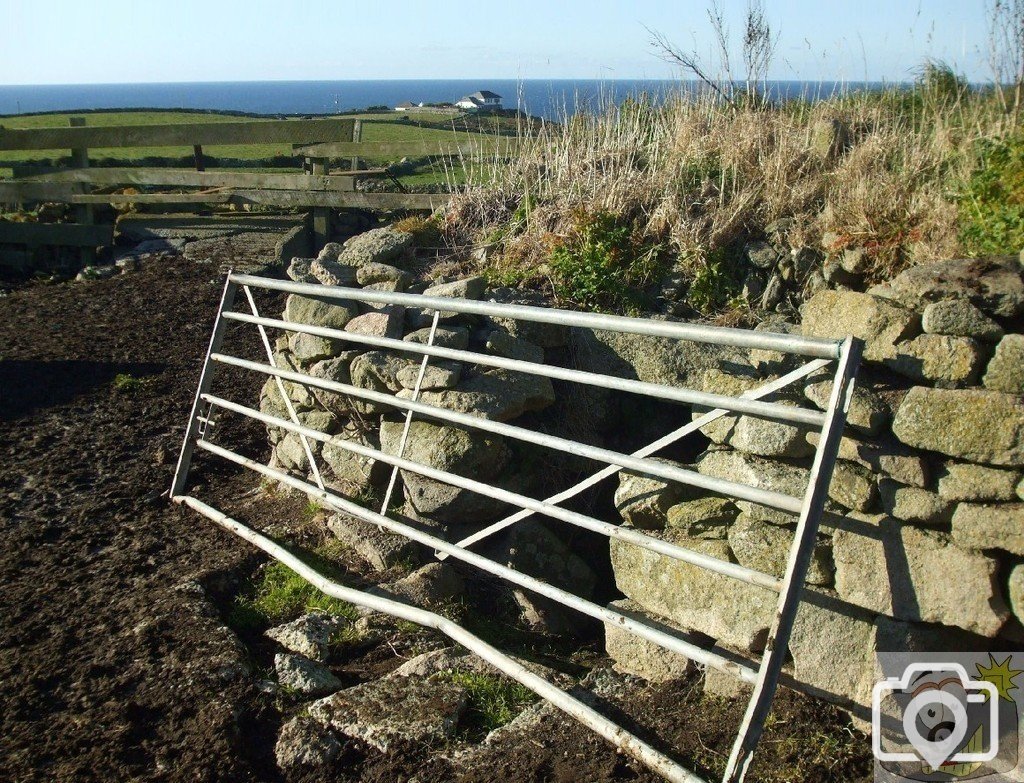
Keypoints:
pixel 116 659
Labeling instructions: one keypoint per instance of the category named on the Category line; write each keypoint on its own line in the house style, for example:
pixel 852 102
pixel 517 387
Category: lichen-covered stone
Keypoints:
pixel 913 504
pixel 765 548
pixel 369 274
pixel 309 635
pixel 1005 372
pixel 437 375
pixel 881 324
pixel 375 371
pixel 939 359
pixel 756 472
pixel 304 743
pixel 456 337
pixel 475 455
pixel 353 473
pixel 884 456
pixel 329 272
pixel 386 322
pixel 495 394
pixel 750 434
pixel 974 425
pixel 963 481
pixel 304 676
pixel 959 318
pixel 298 270
pixel 1015 591
pixel 725 609
pixel 468 288
pixel 501 343
pixel 867 412
pixel 708 517
pixel 643 501
pixel 403 710
pixel 993 285
pixel 852 486
pixel 377 246
pixel 637 656
pixel 977 526
pixel 904 572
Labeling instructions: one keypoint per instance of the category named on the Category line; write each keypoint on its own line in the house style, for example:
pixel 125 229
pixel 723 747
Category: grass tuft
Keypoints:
pixel 493 701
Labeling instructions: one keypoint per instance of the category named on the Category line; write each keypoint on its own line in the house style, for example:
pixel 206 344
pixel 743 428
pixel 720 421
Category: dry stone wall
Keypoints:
pixel 923 541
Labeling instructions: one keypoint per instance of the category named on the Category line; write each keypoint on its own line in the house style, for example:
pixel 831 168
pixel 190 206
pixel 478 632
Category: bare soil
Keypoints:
pixel 115 660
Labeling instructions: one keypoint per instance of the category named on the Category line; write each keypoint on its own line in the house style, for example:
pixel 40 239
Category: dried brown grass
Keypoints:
pixel 696 175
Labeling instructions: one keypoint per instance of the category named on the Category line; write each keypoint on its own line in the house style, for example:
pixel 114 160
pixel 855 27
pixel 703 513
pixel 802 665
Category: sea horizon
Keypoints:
pixel 548 98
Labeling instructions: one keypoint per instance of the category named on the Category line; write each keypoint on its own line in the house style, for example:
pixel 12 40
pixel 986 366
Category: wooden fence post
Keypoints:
pixel 83 212
pixel 321 215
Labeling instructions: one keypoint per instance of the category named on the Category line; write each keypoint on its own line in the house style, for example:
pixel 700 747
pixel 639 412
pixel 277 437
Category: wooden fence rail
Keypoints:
pixel 318 141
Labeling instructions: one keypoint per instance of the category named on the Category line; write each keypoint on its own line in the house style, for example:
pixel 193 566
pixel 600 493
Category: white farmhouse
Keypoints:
pixel 481 100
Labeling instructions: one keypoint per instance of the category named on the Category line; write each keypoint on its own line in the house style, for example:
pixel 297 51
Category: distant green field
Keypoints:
pixel 389 127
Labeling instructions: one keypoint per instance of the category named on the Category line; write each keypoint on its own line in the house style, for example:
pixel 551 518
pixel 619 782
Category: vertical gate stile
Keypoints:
pixel 408 415
pixel 796 568
pixel 227 301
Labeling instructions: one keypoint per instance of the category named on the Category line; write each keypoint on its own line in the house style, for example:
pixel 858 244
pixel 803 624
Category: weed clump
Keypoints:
pixel 992 209
pixel 276 594
pixel 493 701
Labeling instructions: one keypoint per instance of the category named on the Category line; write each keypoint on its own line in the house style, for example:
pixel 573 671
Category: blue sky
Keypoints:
pixel 114 41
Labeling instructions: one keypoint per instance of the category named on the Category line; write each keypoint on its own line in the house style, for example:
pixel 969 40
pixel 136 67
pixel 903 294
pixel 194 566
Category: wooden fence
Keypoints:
pixel 317 141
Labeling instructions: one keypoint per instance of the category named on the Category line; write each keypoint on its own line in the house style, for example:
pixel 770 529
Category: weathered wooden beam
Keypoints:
pixel 178 134
pixel 486 145
pixel 55 234
pixel 183 178
pixel 151 198
pixel 352 199
pixel 16 191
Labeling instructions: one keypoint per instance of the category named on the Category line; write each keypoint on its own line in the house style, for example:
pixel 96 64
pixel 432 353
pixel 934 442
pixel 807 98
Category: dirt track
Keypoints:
pixel 113 664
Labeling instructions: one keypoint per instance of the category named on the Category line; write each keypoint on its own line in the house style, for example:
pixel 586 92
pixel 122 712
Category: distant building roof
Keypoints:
pixel 406 105
pixel 485 95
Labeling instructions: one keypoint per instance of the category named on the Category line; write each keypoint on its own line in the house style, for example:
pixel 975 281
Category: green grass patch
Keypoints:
pixel 276 594
pixel 493 701
pixel 128 384
pixel 992 209
pixel 604 264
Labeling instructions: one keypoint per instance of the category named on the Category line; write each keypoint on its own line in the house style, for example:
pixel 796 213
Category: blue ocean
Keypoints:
pixel 552 98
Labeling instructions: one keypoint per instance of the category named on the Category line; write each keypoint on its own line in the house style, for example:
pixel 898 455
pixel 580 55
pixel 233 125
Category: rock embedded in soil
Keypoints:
pixel 304 676
pixel 881 324
pixel 435 584
pixel 971 424
pixel 382 549
pixel 1005 371
pixel 304 743
pixel 959 318
pixel 394 711
pixel 309 635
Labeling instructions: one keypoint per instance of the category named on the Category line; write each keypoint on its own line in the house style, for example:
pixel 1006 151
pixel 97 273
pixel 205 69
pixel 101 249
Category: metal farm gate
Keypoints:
pixel 842 355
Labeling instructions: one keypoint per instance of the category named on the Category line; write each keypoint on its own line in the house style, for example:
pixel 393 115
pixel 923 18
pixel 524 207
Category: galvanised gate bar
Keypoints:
pixel 841 355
